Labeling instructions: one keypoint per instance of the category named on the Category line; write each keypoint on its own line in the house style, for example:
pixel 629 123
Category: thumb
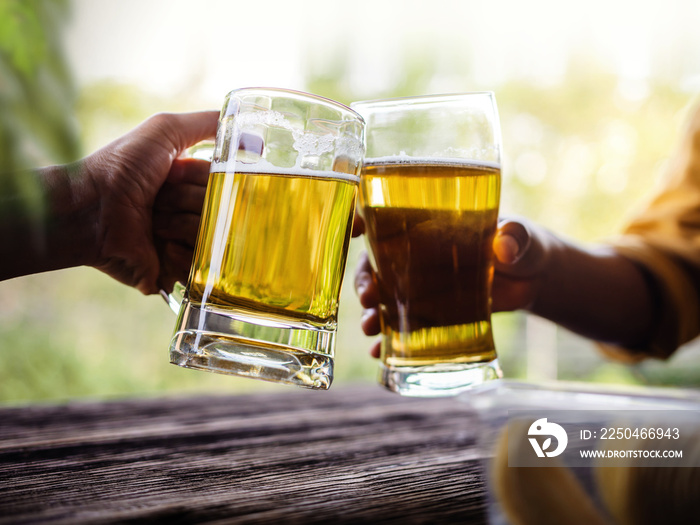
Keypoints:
pixel 519 247
pixel 187 129
pixel 176 131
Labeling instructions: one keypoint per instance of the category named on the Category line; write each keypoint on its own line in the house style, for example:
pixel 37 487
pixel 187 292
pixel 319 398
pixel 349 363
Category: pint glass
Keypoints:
pixel 429 196
pixel 263 291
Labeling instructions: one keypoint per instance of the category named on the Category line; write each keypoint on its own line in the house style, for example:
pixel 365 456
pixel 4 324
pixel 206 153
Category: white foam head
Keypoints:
pixel 263 167
pixel 402 158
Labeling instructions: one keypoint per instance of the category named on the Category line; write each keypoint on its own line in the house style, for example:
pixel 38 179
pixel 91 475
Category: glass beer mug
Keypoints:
pixel 262 296
pixel 429 196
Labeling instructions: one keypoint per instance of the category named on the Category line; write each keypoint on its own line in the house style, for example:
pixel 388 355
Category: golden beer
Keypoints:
pixel 270 244
pixel 262 295
pixel 430 228
pixel 429 195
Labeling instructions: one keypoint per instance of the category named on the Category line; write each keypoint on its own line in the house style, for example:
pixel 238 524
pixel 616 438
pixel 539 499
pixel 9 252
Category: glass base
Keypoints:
pixel 251 346
pixel 437 380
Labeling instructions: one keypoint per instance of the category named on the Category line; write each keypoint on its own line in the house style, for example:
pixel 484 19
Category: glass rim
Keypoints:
pixel 421 99
pixel 299 94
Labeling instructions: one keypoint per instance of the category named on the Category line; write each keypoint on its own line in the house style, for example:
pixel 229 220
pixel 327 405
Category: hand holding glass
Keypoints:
pixel 263 292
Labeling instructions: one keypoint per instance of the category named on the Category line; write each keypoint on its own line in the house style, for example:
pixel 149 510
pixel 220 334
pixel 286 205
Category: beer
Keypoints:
pixel 263 291
pixel 430 227
pixel 270 244
pixel 429 194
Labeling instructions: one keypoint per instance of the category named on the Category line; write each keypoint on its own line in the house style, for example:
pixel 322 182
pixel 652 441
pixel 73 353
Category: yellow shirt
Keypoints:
pixel 665 238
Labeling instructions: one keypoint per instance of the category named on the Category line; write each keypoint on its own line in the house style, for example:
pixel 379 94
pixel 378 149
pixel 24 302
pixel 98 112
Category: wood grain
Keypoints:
pixel 349 455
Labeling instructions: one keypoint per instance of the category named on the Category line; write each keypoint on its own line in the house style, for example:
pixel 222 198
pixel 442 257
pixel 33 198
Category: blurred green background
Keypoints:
pixel 591 99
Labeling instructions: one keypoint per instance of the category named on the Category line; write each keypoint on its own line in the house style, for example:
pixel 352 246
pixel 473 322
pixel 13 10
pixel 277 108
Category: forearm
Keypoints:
pixel 598 294
pixel 47 220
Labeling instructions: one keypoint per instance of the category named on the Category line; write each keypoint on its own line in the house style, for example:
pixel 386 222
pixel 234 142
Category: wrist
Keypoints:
pixel 48 220
pixel 73 208
pixel 596 293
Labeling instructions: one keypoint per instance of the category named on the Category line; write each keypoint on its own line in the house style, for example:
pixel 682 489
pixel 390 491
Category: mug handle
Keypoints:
pixel 202 150
pixel 248 142
pixel 174 298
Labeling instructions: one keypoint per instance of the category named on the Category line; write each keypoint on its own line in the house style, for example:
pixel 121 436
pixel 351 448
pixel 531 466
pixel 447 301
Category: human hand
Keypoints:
pixel 368 294
pixel 149 200
pixel 366 289
pixel 521 250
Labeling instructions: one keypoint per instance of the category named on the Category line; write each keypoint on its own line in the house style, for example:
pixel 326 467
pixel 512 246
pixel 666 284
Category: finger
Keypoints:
pixel 180 228
pixel 520 249
pixel 370 321
pixel 175 263
pixel 189 170
pixel 358 225
pixel 186 129
pixel 511 241
pixel 506 248
pixel 180 198
pixel 365 285
pixel 376 350
pixel 509 294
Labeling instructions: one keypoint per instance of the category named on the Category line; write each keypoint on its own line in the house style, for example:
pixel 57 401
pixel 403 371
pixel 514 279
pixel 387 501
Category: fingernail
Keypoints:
pixel 361 283
pixel 507 249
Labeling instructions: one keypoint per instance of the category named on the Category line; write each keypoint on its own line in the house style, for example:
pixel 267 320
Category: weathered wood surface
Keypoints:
pixel 349 455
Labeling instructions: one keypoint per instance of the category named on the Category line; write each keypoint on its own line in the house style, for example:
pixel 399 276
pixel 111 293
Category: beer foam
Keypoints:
pixel 305 142
pixel 435 161
pixel 263 167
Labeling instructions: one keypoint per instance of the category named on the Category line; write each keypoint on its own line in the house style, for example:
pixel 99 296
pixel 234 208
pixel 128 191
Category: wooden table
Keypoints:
pixel 348 455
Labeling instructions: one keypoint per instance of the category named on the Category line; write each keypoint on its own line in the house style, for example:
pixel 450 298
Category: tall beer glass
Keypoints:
pixel 262 297
pixel 429 196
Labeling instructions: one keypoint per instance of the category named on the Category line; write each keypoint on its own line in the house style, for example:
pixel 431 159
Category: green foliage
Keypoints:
pixel 37 95
pixel 37 122
pixel 76 333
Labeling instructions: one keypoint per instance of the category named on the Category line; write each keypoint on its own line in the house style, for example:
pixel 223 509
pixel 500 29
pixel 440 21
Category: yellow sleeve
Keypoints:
pixel 664 238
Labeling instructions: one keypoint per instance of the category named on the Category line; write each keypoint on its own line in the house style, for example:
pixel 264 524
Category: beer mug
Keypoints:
pixel 262 296
pixel 429 196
